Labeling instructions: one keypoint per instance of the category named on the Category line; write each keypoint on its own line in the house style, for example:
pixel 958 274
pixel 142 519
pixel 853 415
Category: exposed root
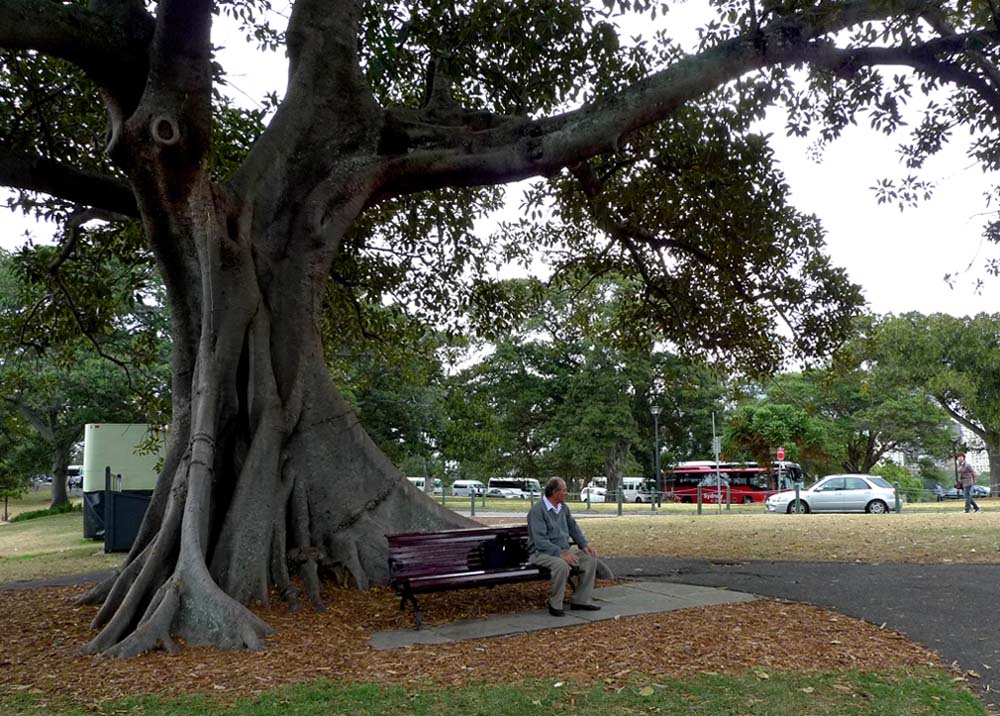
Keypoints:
pixel 98 594
pixel 154 629
pixel 301 520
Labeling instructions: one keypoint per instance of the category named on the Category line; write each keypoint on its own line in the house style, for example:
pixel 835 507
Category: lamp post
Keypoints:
pixel 655 410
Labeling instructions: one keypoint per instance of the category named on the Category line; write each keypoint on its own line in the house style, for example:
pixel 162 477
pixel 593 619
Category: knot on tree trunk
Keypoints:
pixel 165 130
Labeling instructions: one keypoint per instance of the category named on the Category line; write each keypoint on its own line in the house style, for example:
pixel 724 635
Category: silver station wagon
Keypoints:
pixel 839 493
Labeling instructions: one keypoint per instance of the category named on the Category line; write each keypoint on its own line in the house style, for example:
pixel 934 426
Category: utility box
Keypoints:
pixel 117 446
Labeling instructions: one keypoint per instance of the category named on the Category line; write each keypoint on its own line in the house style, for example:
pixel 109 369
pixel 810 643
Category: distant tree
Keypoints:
pixel 864 411
pixel 956 361
pixel 756 428
pixel 21 458
pixel 910 485
pixel 56 379
pixel 569 392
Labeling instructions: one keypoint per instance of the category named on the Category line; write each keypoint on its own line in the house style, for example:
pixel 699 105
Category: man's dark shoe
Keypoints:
pixel 585 607
pixel 556 612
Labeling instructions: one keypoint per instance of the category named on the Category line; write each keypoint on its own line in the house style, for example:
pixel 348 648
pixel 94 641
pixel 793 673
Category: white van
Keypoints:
pixel 636 489
pixel 465 488
pixel 418 482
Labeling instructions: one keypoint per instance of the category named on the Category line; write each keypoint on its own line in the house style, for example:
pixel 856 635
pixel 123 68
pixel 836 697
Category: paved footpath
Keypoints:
pixel 948 607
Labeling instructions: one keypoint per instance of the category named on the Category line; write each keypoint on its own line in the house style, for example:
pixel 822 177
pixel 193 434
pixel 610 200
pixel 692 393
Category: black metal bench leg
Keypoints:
pixel 407 596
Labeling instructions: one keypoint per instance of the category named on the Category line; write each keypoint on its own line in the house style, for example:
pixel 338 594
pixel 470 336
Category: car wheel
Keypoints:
pixel 877 507
pixel 747 500
pixel 803 507
pixel 638 500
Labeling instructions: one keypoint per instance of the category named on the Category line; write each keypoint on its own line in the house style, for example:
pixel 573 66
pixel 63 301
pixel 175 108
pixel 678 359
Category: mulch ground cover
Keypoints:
pixel 43 630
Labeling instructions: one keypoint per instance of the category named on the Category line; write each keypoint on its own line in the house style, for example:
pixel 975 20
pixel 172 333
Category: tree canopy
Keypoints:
pixel 363 186
pixel 954 360
pixel 56 380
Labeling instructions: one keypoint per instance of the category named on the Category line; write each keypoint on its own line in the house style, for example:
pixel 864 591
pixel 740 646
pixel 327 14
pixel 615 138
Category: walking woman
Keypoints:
pixel 967 478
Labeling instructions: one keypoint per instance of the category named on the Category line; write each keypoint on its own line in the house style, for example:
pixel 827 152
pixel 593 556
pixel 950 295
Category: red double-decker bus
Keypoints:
pixel 746 482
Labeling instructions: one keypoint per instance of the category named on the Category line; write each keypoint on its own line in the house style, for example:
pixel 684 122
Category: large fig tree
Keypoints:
pixel 372 170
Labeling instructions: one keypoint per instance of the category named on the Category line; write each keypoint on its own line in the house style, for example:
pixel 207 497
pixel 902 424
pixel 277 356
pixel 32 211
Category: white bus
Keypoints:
pixel 418 482
pixel 513 487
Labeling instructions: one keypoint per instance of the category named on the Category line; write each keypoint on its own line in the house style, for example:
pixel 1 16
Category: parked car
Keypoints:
pixel 596 494
pixel 839 493
pixel 978 491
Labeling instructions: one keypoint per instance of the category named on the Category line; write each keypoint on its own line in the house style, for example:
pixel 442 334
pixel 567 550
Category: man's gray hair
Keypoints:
pixel 552 485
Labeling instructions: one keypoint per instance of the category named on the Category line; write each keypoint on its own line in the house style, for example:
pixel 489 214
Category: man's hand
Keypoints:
pixel 571 559
pixel 591 551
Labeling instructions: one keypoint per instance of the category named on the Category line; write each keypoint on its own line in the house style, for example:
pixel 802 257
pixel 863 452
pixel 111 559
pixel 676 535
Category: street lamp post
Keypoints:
pixel 655 410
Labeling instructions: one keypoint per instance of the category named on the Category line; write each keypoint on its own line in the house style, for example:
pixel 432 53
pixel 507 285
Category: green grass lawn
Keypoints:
pixel 923 693
pixel 33 499
pixel 940 537
pixel 49 547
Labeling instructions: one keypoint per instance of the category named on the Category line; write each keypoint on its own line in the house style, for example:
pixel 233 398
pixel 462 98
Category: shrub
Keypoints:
pixel 61 509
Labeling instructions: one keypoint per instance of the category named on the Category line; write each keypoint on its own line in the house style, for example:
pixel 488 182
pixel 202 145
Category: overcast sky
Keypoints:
pixel 899 259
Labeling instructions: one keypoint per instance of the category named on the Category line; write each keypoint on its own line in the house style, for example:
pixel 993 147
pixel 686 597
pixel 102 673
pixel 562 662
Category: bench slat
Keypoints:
pixel 452 559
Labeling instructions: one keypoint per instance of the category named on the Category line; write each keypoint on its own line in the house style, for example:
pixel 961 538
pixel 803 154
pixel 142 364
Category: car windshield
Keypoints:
pixel 881 482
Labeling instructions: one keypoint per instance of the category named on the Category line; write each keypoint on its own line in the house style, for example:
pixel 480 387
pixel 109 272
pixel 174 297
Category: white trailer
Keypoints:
pixel 117 445
pixel 122 447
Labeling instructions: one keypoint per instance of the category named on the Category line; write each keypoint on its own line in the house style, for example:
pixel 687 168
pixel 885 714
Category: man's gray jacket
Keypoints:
pixel 550 533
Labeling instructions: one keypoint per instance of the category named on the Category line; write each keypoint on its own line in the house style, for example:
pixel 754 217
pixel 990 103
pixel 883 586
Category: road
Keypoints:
pixel 947 607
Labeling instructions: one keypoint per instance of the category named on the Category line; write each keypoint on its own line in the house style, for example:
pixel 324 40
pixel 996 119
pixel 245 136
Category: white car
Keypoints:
pixel 596 494
pixel 839 493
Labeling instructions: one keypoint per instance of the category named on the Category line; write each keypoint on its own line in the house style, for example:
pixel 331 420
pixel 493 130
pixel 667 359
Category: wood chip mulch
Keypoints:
pixel 42 630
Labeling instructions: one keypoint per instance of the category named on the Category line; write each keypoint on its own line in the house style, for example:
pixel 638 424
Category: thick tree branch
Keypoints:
pixel 959 417
pixel 36 420
pixel 64 182
pixel 323 63
pixel 110 46
pixel 924 58
pixel 937 19
pixel 487 150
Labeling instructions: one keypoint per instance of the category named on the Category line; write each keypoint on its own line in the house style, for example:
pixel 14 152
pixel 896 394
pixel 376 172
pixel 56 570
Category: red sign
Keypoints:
pixel 781 453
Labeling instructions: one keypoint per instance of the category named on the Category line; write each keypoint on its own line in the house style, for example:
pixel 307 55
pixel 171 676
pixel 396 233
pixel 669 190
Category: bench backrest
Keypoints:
pixel 419 554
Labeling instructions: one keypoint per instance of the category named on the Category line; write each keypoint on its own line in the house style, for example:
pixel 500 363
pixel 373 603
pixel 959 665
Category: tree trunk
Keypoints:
pixel 270 481
pixel 992 442
pixel 60 468
pixel 614 466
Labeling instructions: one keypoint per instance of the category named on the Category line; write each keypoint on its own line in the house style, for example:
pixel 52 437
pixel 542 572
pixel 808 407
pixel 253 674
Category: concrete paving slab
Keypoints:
pixel 683 591
pixel 623 600
pixel 397 639
pixel 504 625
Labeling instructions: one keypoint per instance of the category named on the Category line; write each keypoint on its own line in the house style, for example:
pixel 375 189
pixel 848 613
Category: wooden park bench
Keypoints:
pixel 421 562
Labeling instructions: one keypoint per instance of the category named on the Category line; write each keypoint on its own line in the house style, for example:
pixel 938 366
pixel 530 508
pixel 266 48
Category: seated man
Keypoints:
pixel 550 527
